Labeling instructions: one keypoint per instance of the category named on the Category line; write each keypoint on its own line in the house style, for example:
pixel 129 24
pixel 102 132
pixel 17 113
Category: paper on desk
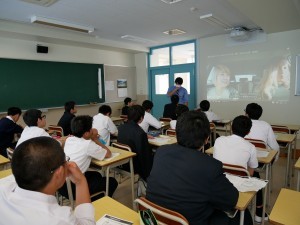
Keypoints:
pixel 113 155
pixel 244 184
pixel 261 154
pixel 160 140
pixel 111 220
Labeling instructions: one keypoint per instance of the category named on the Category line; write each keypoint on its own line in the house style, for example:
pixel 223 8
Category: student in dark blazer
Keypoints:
pixel 190 182
pixel 69 114
pixel 8 128
pixel 169 109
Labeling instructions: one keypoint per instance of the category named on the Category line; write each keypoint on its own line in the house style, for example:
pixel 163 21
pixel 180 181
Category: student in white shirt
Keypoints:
pixel 204 106
pixel 149 120
pixel 35 122
pixel 81 148
pixel 179 110
pixel 103 123
pixel 40 168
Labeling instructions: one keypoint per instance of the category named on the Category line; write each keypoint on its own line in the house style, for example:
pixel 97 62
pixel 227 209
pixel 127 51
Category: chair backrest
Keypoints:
pixel 280 129
pixel 164 119
pixel 163 215
pixel 9 152
pixel 171 132
pixel 257 143
pixel 235 169
pixel 121 146
pixel 56 130
pixel 124 117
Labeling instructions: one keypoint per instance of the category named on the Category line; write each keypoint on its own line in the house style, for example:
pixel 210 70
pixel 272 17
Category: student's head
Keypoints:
pixel 14 113
pixel 180 109
pixel 38 161
pixel 70 107
pixel 179 81
pixel 80 125
pixel 204 105
pixel 219 76
pixel 147 105
pixel 254 111
pixel 105 110
pixel 241 125
pixel 34 117
pixel 136 113
pixel 175 99
pixel 128 101
pixel 192 129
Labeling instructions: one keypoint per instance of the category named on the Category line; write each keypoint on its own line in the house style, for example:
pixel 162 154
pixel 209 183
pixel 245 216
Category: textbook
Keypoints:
pixel 111 220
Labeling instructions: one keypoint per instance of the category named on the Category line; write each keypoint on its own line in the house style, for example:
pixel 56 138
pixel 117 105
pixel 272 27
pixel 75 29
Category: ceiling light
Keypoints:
pixel 209 18
pixel 61 24
pixel 41 2
pixel 171 1
pixel 137 39
pixel 174 32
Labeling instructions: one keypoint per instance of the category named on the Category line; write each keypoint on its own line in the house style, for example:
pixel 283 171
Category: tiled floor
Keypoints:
pixel 123 193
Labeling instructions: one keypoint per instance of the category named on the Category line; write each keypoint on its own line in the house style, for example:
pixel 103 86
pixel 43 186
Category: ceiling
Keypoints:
pixel 147 19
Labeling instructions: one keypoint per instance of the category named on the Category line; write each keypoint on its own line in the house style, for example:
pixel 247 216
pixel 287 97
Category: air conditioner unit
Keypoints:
pixel 239 34
pixel 45 3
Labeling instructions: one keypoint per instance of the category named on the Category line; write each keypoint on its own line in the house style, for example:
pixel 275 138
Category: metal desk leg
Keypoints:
pixel 268 168
pixel 287 175
pixel 264 205
pixel 132 183
pixel 298 180
pixel 107 180
pixel 242 215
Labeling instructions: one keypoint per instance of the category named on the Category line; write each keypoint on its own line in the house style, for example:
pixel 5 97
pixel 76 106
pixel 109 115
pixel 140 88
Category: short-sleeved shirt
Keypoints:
pixel 149 120
pixel 182 94
pixel 32 132
pixel 105 127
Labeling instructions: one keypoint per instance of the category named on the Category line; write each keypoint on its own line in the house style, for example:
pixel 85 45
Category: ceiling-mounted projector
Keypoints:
pixel 240 33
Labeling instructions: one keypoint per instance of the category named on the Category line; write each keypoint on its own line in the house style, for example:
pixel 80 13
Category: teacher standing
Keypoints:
pixel 177 89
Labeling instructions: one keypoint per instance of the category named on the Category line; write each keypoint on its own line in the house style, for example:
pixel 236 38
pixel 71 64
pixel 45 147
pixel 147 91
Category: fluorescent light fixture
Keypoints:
pixel 171 1
pixel 137 39
pixel 45 3
pixel 174 32
pixel 210 18
pixel 61 24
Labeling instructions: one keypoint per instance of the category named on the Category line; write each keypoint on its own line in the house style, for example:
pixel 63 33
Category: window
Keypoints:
pixel 160 57
pixel 161 84
pixel 182 54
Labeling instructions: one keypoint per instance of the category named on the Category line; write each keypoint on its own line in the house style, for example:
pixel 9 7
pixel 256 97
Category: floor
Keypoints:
pixel 123 192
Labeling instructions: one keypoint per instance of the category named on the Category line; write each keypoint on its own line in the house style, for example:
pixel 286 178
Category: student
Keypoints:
pixel 84 146
pixel 128 102
pixel 180 109
pixel 169 109
pixel 69 114
pixel 177 89
pixel 149 120
pixel 204 106
pixel 133 135
pixel 190 182
pixel 40 168
pixel 260 129
pixel 35 122
pixel 9 128
pixel 103 123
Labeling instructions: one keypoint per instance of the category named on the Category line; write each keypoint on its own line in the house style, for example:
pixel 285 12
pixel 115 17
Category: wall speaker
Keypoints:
pixel 41 49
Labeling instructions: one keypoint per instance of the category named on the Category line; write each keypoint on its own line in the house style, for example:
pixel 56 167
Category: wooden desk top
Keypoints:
pixel 288 138
pixel 244 200
pixel 297 165
pixel 123 155
pixel 3 160
pixel 5 173
pixel 117 119
pixel 107 205
pixel 286 208
pixel 168 140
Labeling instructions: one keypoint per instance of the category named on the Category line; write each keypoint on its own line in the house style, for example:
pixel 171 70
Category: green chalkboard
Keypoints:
pixel 42 84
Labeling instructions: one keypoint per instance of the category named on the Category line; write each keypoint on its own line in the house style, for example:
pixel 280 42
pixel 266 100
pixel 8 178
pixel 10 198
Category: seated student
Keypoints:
pixel 190 182
pixel 128 102
pixel 236 150
pixel 133 135
pixel 179 110
pixel 149 120
pixel 81 148
pixel 35 122
pixel 260 129
pixel 204 106
pixel 69 114
pixel 169 109
pixel 8 129
pixel 40 168
pixel 103 123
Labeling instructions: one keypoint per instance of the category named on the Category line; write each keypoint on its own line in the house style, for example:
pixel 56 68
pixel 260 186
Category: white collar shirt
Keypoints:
pixel 81 151
pixel 32 132
pixel 149 120
pixel 105 127
pixel 211 116
pixel 23 207
pixel 9 117
pixel 235 150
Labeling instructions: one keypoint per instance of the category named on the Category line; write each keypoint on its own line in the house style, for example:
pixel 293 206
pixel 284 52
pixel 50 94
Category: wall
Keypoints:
pixel 142 77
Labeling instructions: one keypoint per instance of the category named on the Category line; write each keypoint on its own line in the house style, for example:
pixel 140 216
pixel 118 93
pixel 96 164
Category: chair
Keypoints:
pixel 124 117
pixel 164 119
pixel 171 132
pixel 235 170
pixel 163 215
pixel 281 129
pixel 257 143
pixel 9 152
pixel 57 130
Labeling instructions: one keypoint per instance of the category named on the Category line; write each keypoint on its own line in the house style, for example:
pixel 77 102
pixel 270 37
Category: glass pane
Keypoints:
pixel 182 54
pixel 160 57
pixel 161 84
pixel 186 80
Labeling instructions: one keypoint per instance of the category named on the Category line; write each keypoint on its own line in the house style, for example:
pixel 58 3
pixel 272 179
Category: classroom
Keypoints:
pixel 124 37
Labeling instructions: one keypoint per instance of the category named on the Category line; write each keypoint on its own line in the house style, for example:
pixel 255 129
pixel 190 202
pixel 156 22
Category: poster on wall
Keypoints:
pixel 122 88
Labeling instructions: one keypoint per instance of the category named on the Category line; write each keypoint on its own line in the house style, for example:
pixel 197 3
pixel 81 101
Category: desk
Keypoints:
pixel 117 120
pixel 107 205
pixel 297 167
pixel 5 173
pixel 157 142
pixel 286 208
pixel 164 126
pixel 3 160
pixel 124 157
pixel 292 127
pixel 244 199
pixel 223 125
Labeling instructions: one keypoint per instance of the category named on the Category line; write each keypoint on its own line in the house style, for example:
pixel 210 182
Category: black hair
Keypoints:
pixel 241 125
pixel 179 80
pixel 14 111
pixel 31 117
pixel 181 109
pixel 34 160
pixel 69 106
pixel 135 113
pixel 147 104
pixel 192 129
pixel 254 111
pixel 127 100
pixel 81 124
pixel 204 105
pixel 104 109
pixel 175 99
